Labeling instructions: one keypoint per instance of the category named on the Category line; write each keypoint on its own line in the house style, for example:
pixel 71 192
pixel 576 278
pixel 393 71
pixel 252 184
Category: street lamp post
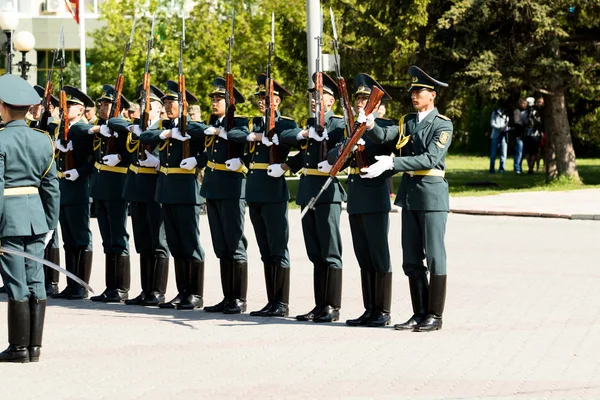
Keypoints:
pixel 8 22
pixel 24 42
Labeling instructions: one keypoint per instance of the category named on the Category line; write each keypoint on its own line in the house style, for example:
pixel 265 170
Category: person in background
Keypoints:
pixel 499 123
pixel 134 112
pixel 90 115
pixel 194 112
pixel 519 116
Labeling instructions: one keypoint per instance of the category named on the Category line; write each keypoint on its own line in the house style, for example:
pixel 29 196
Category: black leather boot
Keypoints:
pixel 19 329
pixel 38 314
pixel 110 260
pixel 146 271
pixel 239 289
pixel 182 277
pixel 226 284
pixel 158 285
pixel 51 275
pixel 195 293
pixel 319 287
pixel 383 300
pixel 122 280
pixel 437 300
pixel 333 297
pixel 71 266
pixel 270 285
pixel 367 284
pixel 419 295
pixel 281 296
pixel 84 271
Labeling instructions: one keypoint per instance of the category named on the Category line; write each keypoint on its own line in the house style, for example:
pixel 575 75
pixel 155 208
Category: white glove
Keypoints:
pixel 251 137
pixel 105 131
pixel 135 129
pixel 233 164
pixel 383 164
pixel 370 122
pixel 223 133
pixel 111 160
pixel 275 139
pixel 210 131
pixel 176 134
pixel 312 134
pixel 150 160
pixel 188 163
pixel 265 140
pixel 275 170
pixel 62 148
pixel 362 117
pixel 48 237
pixel 324 166
pixel 71 175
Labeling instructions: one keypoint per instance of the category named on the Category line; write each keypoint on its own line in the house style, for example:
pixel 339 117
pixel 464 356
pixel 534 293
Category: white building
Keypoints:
pixel 43 18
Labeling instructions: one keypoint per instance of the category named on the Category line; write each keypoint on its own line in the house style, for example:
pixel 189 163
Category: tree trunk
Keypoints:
pixel 560 155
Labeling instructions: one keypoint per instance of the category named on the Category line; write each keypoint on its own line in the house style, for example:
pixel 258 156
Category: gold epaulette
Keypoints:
pixel 337 116
pixel 288 118
pixel 40 130
pixel 443 117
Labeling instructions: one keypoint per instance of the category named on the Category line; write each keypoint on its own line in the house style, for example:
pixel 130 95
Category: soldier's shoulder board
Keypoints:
pixel 443 117
pixel 337 116
pixel 288 118
pixel 39 130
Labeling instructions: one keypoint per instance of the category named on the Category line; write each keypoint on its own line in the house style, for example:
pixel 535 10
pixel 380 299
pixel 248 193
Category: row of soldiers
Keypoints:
pixel 155 173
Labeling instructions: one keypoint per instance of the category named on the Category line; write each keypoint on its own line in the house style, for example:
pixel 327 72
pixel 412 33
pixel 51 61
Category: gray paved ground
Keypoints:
pixel 521 322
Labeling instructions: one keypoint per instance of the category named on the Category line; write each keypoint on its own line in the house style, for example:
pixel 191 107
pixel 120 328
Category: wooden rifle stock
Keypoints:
pixel 46 103
pixel 64 130
pixel 111 145
pixel 320 113
pixel 349 120
pixel 230 101
pixel 146 114
pixel 183 112
pixel 374 98
pixel 270 122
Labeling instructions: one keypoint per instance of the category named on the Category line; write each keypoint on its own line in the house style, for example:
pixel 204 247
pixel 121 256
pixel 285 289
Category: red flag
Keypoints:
pixel 73 7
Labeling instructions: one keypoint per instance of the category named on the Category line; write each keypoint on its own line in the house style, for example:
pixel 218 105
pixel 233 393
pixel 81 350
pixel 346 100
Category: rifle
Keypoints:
pixel 115 109
pixel 269 103
pixel 181 98
pixel 359 129
pixel 344 97
pixel 145 94
pixel 63 130
pixel 47 100
pixel 318 96
pixel 229 92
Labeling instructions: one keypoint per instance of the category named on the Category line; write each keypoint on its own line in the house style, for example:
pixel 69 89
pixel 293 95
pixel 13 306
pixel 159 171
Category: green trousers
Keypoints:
pixel 370 241
pixel 75 227
pixel 112 221
pixel 23 277
pixel 423 239
pixel 271 227
pixel 149 229
pixel 182 230
pixel 226 221
pixel 321 229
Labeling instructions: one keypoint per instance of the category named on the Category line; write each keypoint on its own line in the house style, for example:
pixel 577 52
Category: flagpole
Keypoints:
pixel 82 62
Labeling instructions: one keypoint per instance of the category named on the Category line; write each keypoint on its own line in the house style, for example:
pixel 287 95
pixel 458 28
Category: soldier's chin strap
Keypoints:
pixel 46 263
pixel 402 140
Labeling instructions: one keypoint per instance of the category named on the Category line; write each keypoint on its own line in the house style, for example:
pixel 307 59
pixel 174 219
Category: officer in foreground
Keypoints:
pixel 423 196
pixel 29 208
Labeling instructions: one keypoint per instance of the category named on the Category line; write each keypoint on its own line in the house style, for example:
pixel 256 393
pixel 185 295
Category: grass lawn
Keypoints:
pixel 468 176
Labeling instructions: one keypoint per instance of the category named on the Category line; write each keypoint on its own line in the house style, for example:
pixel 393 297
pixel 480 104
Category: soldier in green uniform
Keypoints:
pixel 108 179
pixel 178 192
pixel 29 208
pixel 140 189
pixel 423 196
pixel 223 187
pixel 321 226
pixel 75 167
pixel 52 251
pixel 368 213
pixel 267 198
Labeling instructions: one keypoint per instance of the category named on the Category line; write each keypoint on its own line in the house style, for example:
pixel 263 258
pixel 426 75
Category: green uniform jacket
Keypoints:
pixel 426 149
pixel 310 155
pixel 366 195
pixel 106 185
pixel 78 191
pixel 216 184
pixel 175 188
pixel 27 159
pixel 140 188
pixel 260 187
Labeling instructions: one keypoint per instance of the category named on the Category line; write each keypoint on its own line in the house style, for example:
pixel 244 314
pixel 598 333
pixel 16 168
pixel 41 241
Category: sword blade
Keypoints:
pixel 48 264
